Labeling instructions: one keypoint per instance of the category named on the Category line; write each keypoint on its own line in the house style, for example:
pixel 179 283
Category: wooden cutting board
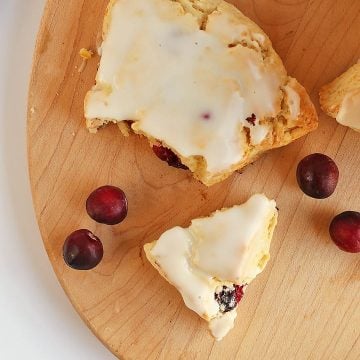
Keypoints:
pixel 305 305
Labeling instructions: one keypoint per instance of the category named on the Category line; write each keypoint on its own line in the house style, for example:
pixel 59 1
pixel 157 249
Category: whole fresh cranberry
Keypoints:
pixel 345 231
pixel 82 250
pixel 317 176
pixel 107 205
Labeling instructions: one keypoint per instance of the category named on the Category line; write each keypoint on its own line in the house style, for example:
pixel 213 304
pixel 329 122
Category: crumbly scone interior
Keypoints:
pixel 199 8
pixel 333 94
pixel 285 127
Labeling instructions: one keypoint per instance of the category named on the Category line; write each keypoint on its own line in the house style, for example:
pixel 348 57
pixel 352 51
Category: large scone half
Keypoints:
pixel 341 98
pixel 199 78
pixel 213 260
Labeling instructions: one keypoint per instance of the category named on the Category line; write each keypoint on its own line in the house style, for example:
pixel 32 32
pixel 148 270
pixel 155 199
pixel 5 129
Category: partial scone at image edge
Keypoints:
pixel 199 78
pixel 340 99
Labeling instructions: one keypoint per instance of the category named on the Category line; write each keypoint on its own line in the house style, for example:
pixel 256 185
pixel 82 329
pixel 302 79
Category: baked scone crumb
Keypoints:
pixel 86 54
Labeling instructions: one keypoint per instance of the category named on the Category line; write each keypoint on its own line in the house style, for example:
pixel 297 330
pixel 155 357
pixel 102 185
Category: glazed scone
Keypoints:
pixel 213 260
pixel 341 98
pixel 199 78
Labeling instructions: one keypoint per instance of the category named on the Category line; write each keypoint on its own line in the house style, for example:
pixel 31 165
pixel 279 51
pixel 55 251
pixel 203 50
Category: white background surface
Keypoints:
pixel 36 319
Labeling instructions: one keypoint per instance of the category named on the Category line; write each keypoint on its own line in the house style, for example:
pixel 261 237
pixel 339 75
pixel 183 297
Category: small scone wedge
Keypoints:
pixel 198 78
pixel 341 98
pixel 213 260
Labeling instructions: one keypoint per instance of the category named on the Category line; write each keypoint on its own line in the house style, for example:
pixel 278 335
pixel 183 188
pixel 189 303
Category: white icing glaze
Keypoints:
pixel 231 246
pixel 182 85
pixel 349 113
pixel 258 134
pixel 293 102
pixel 172 254
pixel 222 324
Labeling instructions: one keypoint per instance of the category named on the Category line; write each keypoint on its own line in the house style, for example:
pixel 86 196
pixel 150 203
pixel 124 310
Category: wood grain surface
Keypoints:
pixel 305 305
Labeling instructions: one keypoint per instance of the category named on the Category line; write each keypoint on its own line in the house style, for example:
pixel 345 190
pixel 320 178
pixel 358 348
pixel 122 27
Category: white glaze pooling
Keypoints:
pixel 349 113
pixel 182 85
pixel 231 246
pixel 222 324
pixel 172 254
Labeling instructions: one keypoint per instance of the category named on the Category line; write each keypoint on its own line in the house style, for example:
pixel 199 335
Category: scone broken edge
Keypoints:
pixel 332 94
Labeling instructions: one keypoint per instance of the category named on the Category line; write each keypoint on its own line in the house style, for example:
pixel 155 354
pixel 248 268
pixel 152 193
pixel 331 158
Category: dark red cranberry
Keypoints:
pixel 251 119
pixel 206 116
pixel 82 250
pixel 107 205
pixel 317 176
pixel 345 231
pixel 169 156
pixel 229 297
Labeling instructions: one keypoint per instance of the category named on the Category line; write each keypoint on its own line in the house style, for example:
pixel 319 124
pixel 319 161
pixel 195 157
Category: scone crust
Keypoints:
pixel 333 94
pixel 285 130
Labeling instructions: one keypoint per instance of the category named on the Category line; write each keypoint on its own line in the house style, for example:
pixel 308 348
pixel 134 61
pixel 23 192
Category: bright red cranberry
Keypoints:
pixel 239 292
pixel 229 297
pixel 317 176
pixel 169 156
pixel 345 231
pixel 82 250
pixel 107 205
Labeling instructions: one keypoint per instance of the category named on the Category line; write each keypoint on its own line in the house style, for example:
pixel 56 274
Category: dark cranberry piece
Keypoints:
pixel 317 176
pixel 169 156
pixel 206 116
pixel 345 231
pixel 229 297
pixel 251 119
pixel 107 205
pixel 82 250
